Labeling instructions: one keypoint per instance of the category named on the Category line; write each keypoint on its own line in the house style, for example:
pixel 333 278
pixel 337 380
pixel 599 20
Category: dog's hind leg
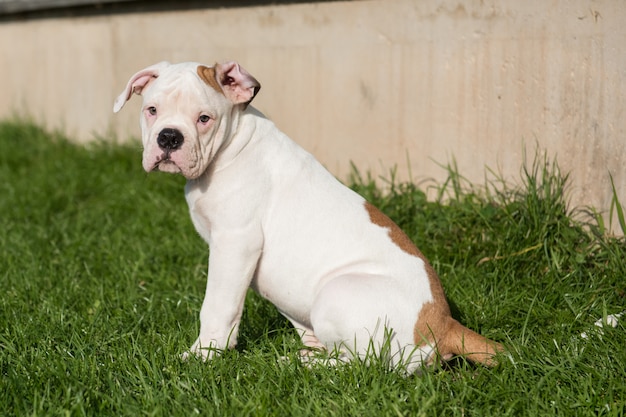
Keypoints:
pixel 311 342
pixel 364 315
pixel 313 351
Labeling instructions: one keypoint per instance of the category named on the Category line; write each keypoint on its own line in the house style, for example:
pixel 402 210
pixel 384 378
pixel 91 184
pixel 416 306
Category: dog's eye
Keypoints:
pixel 204 118
pixel 152 110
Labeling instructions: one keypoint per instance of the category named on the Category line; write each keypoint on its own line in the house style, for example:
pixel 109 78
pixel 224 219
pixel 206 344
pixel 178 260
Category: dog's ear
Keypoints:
pixel 237 84
pixel 137 83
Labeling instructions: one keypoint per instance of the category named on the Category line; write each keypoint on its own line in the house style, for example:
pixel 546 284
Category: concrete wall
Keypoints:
pixel 381 83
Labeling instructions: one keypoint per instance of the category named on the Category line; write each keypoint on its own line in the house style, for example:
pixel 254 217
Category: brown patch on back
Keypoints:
pixel 207 74
pixel 433 314
pixel 395 233
pixel 435 325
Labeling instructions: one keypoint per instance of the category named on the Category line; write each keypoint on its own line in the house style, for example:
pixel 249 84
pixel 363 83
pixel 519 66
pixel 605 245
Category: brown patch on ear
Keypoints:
pixel 207 74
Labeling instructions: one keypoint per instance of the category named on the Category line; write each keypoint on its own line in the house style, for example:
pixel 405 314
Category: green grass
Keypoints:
pixel 102 277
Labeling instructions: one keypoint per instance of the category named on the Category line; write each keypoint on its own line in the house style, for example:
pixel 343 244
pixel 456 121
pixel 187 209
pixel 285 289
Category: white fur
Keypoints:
pixel 278 222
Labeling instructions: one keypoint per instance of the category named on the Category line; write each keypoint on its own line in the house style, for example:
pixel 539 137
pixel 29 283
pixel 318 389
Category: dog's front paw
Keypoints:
pixel 201 351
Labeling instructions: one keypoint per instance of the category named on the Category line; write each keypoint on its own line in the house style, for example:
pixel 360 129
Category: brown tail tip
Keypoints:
pixel 459 340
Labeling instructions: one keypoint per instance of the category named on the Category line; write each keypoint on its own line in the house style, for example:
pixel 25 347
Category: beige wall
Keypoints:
pixel 377 82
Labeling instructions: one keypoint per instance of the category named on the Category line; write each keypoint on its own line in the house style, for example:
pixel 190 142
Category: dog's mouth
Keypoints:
pixel 164 163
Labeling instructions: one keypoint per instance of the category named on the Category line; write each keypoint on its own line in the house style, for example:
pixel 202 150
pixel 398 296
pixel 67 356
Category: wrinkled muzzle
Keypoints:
pixel 169 150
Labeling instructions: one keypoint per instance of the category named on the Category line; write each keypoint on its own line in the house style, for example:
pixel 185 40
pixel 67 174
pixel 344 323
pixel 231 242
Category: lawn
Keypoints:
pixel 102 279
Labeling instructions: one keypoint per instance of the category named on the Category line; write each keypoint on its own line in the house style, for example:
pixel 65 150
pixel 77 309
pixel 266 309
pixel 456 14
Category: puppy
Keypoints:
pixel 340 270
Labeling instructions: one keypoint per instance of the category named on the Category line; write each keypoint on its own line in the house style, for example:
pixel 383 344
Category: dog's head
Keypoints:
pixel 188 112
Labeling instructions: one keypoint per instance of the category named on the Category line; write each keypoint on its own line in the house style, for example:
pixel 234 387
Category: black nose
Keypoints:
pixel 170 139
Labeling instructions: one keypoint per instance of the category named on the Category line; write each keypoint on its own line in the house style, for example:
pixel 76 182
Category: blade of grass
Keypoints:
pixel 615 205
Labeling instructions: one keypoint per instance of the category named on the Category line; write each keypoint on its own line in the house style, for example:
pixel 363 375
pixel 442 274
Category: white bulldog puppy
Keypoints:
pixel 341 271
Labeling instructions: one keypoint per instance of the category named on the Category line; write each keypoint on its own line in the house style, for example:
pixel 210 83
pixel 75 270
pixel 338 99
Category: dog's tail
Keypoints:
pixel 459 340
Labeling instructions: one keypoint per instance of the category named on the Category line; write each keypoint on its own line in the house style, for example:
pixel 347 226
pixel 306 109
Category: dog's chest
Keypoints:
pixel 199 218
